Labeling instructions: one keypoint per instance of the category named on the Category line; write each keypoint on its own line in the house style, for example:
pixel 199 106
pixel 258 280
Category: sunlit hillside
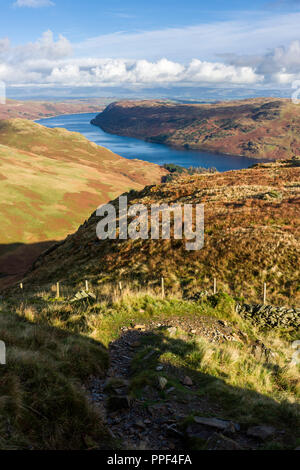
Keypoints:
pixel 51 180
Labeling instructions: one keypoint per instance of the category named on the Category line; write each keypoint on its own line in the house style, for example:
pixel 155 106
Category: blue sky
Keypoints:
pixel 82 19
pixel 130 43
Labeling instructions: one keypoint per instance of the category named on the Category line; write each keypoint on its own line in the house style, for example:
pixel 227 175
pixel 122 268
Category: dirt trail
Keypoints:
pixel 135 424
pixel 152 421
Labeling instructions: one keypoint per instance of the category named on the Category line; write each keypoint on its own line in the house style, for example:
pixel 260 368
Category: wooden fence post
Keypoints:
pixel 162 288
pixel 57 290
pixel 120 287
pixel 86 285
pixel 215 285
pixel 265 294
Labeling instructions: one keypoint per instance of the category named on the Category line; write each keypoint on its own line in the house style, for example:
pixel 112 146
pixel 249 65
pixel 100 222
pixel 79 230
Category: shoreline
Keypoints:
pixel 250 160
pixel 57 115
pixel 200 149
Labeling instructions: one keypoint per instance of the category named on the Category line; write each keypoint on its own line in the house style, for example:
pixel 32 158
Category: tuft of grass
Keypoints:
pixel 42 402
pixel 246 390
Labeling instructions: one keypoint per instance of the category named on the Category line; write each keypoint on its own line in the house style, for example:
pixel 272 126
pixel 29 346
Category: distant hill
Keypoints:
pixel 44 109
pixel 251 237
pixel 51 180
pixel 262 128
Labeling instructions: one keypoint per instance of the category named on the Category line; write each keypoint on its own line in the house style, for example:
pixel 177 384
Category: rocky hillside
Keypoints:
pixel 44 109
pixel 51 179
pixel 262 128
pixel 251 237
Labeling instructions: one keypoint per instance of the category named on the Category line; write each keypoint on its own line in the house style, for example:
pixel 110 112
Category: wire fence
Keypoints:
pixel 162 287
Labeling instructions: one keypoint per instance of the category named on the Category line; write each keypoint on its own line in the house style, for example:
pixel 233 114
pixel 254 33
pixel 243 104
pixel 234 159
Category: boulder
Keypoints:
pixel 217 423
pixel 83 295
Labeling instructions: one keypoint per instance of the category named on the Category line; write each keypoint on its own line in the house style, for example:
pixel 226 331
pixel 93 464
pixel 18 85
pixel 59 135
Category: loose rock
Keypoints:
pixel 261 432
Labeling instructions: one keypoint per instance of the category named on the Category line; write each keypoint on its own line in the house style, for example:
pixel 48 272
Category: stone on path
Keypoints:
pixel 187 381
pixel 162 382
pixel 217 423
pixel 220 442
pixel 261 432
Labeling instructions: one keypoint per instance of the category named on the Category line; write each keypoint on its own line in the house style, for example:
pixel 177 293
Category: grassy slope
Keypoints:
pixel 262 128
pixel 51 179
pixel 251 237
pixel 43 405
pixel 48 347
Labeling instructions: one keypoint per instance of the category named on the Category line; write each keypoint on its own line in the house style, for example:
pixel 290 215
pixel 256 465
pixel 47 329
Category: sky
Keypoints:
pixel 138 45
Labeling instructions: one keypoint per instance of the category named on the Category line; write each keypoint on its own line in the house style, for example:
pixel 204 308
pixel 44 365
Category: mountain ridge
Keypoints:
pixel 35 109
pixel 261 128
pixel 251 237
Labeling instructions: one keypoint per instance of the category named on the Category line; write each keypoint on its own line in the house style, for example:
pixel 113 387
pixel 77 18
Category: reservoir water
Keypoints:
pixel 134 148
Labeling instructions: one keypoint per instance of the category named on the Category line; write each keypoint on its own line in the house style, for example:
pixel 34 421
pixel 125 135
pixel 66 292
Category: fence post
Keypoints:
pixel 86 285
pixel 265 294
pixel 57 290
pixel 215 285
pixel 120 287
pixel 162 288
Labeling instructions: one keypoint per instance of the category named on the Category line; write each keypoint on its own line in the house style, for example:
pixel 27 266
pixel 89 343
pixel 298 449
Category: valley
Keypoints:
pixel 126 365
pixel 149 230
pixel 51 179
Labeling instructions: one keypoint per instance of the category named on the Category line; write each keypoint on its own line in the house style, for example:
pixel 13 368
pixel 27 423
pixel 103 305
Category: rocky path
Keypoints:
pixel 152 422
pixel 135 424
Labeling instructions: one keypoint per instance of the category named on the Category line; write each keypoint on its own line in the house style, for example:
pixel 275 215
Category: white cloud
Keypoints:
pixel 115 72
pixel 49 61
pixel 217 73
pixel 33 3
pixel 280 65
pixel 44 48
pixel 283 78
pixel 283 57
pixel 4 45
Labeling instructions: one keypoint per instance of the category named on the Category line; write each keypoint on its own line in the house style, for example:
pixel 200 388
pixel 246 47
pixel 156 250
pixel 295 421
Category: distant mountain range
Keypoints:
pixel 170 92
pixel 261 128
pixel 43 109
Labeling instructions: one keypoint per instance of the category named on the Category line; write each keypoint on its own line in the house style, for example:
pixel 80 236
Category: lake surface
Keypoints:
pixel 134 148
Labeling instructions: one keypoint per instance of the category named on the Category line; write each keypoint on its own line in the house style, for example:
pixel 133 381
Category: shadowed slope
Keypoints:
pixel 43 403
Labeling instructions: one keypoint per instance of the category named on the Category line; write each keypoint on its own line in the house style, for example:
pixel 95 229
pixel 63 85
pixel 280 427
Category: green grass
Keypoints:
pixel 231 383
pixel 33 159
pixel 42 403
pixel 53 346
